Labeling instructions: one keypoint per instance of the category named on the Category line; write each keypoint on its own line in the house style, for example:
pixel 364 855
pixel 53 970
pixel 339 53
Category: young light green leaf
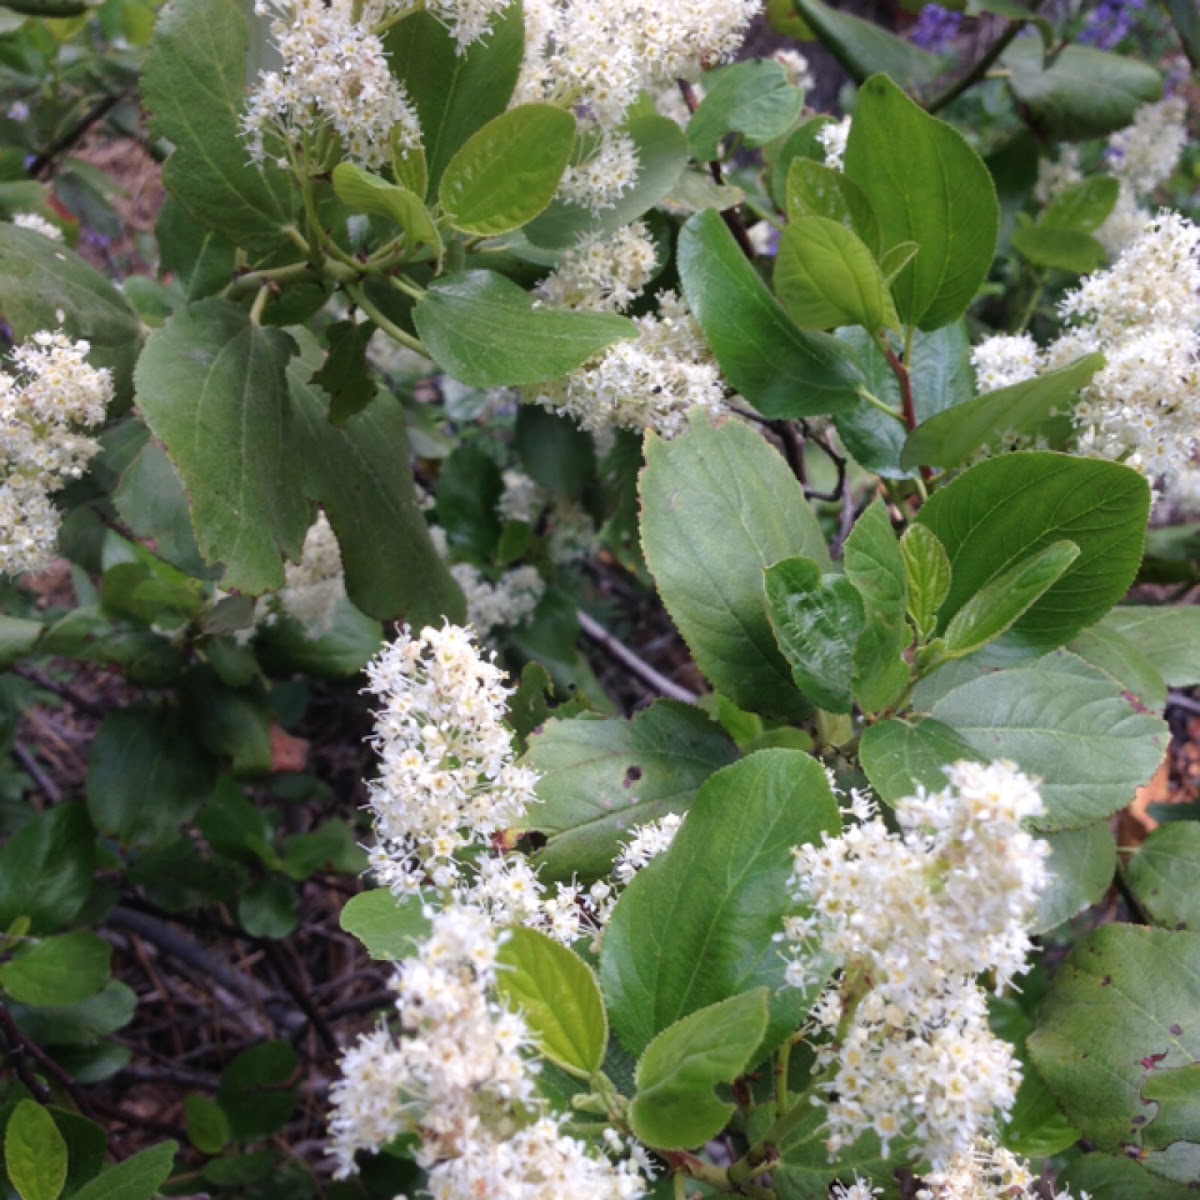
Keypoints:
pixel 926 186
pixel 57 971
pixel 754 98
pixel 927 572
pixel 137 1178
pixel 389 928
pixel 893 260
pixel 409 165
pixel 207 1126
pixel 674 1107
pixel 1004 599
pixel 35 1154
pixel 364 192
pixel 508 171
pixel 719 505
pixel 783 371
pixel 817 621
pixel 486 331
pixel 1163 875
pixel 825 277
pixel 1060 249
pixel 1083 206
pixel 899 755
pixel 815 190
pixel 557 993
pixel 950 437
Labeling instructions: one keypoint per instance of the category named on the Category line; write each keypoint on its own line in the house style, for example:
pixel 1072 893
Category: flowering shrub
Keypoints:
pixel 479 329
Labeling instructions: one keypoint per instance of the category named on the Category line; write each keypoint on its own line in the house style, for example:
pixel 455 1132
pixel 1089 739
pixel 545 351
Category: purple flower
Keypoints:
pixel 1110 22
pixel 935 29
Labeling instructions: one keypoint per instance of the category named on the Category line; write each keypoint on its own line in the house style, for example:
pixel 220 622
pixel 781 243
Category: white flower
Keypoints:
pixel 507 602
pixel 603 273
pixel 315 586
pixel 1003 360
pixel 833 137
pixel 38 224
pixel 984 1171
pixel 522 498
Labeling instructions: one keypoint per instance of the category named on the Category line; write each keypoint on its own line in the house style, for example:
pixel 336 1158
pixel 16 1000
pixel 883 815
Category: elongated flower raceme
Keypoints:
pixel 48 392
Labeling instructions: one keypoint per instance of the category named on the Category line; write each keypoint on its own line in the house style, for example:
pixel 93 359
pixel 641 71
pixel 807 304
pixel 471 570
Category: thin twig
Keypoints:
pixel 45 784
pixel 839 462
pixel 291 980
pixel 20 1045
pixel 981 68
pixel 64 691
pixel 642 670
pixel 41 162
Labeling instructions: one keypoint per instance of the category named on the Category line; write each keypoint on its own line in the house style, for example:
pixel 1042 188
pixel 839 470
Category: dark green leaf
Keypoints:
pixel 345 376
pixel 1116 1177
pixel 926 186
pixel 345 649
pixel 486 332
pixel 1187 24
pixel 1081 864
pixel 553 450
pixel 269 908
pixel 200 261
pixel 753 98
pixel 719 505
pixel 1163 875
pixel 35 1154
pixel 46 868
pixel 389 928
pixel 817 621
pixel 783 371
pixel 56 971
pixel 469 486
pixel 137 1178
pixel 672 946
pixel 898 755
pixel 600 778
pixel 674 1107
pixel 108 1010
pixel 257 1091
pixel 18 635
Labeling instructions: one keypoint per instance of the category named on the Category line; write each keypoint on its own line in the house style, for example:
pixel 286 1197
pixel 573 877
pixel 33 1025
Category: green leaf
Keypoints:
pixel 781 370
pixel 455 92
pixel 351 642
pixel 364 192
pixel 804 1171
pixel 753 98
pixel 1116 1177
pixel 997 606
pixel 899 754
pixel 557 993
pixel 346 377
pixel 1169 638
pixel 815 190
pixel 487 332
pixel 508 171
pixel 674 1106
pixel 1187 25
pixel 554 451
pixel 926 186
pixel 1122 1008
pixel 1067 723
pixel 1081 865
pixel 57 971
pixel 43 279
pixel 1084 94
pixel 213 388
pixel 927 572
pixel 698 924
pixel 35 1154
pixel 46 868
pixel 817 621
pixel 601 778
pixel 193 84
pixel 863 48
pixel 825 276
pixel 1118 657
pixel 200 261
pixel 1006 508
pixel 108 1010
pixel 1083 206
pixel 389 928
pixel 269 908
pixel 950 437
pixel 257 1091
pixel 719 505
pixel 1060 249
pixel 207 1125
pixel 18 636
pixel 146 775
pixel 137 1178
pixel 1163 874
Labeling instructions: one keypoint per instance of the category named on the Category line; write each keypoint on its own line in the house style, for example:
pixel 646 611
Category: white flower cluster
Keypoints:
pixel 985 1171
pixel 1005 359
pixel 522 498
pixel 603 273
pixel 315 586
pixel 910 919
pixel 646 383
pixel 834 137
pixel 507 602
pixel 460 1080
pixel 48 390
pixel 647 843
pixel 599 55
pixel 467 20
pixel 334 75
pixel 37 224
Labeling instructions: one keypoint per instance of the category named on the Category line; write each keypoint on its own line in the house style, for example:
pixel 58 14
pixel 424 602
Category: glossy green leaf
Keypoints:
pixel 825 277
pixel 927 572
pixel 900 754
pixel 1081 866
pixel 557 993
pixel 926 186
pixel 487 332
pixel 754 98
pixel 817 621
pixel 455 92
pixel 997 606
pixel 194 87
pixel 1067 723
pixel 46 868
pixel 35 1154
pixel 1021 503
pixel 1118 657
pixel 1086 93
pixel 949 438
pixel 508 171
pixel 47 286
pixel 815 190
pixel 602 777
pixel 389 928
pixel 864 48
pixel 719 505
pixel 673 946
pixel 783 371
pixel 207 1126
pixel 363 192
pixel 1169 637
pixel 59 970
pixel 1083 206
pixel 137 1178
pixel 1163 874
pixel 675 1107
pixel 1059 249
pixel 1123 1008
